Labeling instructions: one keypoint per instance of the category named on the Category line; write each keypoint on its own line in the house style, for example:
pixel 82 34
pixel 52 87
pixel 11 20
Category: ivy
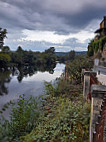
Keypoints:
pixel 96 46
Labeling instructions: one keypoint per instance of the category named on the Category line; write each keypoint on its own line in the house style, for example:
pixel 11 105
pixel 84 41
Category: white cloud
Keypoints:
pixel 47 36
pixel 50 36
pixel 82 36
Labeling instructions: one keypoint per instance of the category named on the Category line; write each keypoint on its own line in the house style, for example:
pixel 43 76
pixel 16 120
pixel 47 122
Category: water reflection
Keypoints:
pixel 4 78
pixel 32 83
pixel 20 72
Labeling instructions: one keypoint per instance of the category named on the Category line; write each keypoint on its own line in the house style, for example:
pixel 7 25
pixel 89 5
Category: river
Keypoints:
pixel 30 85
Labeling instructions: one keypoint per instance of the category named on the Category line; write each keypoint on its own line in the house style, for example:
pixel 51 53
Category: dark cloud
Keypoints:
pixel 61 16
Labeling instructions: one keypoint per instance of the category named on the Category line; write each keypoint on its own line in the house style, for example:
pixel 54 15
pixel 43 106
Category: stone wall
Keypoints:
pixel 97 92
pixel 89 79
pixel 104 52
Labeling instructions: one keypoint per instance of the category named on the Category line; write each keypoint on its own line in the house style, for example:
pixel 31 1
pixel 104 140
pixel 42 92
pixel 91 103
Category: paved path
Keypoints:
pixel 102 78
pixel 102 74
pixel 102 69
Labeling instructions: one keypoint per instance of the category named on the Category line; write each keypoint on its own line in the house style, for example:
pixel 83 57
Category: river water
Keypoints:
pixel 30 85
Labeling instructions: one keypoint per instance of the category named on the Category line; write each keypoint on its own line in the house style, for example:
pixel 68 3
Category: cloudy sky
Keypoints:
pixel 39 24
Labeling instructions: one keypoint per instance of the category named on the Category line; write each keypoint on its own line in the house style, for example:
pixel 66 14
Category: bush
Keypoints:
pixel 4 60
pixel 23 119
pixel 75 67
pixel 67 121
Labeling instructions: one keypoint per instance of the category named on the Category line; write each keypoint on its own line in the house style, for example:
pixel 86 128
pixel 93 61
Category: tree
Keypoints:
pixel 5 49
pixel 2 36
pixel 74 68
pixel 19 49
pixel 4 60
pixel 51 50
pixel 71 55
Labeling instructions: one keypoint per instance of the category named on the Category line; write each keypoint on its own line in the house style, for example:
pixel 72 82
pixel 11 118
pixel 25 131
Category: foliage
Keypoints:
pixel 29 58
pixel 51 50
pixel 63 88
pixel 69 57
pixel 23 119
pixel 5 49
pixel 3 33
pixel 64 115
pixel 24 58
pixel 21 57
pixel 63 119
pixel 74 68
pixel 95 46
pixel 4 60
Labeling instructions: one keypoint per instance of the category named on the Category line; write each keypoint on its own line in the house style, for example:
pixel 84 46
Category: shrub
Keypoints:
pixel 23 119
pixel 67 121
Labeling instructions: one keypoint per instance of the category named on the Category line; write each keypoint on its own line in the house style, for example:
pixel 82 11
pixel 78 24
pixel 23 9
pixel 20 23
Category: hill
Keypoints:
pixel 76 52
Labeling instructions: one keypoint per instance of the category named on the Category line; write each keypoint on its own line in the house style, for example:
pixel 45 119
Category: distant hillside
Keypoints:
pixel 81 53
pixel 65 53
pixel 61 53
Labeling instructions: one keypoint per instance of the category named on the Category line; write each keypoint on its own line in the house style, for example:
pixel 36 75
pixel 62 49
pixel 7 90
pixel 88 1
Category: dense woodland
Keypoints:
pixel 24 58
pixel 62 114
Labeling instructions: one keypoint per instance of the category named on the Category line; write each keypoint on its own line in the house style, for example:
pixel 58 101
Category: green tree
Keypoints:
pixel 74 68
pixel 3 33
pixel 71 55
pixel 51 50
pixel 4 60
pixel 19 49
pixel 5 49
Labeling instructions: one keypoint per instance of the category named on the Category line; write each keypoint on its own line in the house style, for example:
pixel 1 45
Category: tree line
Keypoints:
pixel 25 58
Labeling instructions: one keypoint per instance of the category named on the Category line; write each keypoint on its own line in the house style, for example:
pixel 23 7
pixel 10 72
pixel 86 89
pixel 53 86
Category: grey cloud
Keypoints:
pixel 74 44
pixel 62 16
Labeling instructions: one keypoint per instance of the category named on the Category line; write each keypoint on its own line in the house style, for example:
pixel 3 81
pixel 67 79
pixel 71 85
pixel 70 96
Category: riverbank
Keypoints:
pixel 64 115
pixel 30 85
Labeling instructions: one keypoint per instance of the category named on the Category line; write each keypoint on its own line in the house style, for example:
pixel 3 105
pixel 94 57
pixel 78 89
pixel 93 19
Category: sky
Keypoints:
pixel 39 24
